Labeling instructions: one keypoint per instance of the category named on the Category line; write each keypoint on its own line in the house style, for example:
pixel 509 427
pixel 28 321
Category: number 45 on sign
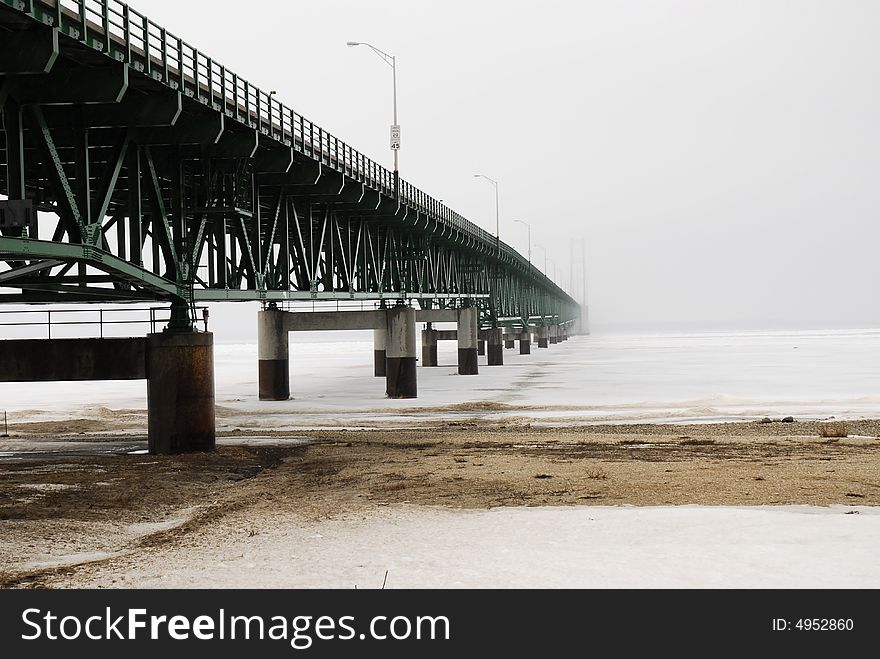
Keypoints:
pixel 395 138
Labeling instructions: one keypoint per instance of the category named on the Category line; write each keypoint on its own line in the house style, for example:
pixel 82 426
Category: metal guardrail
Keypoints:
pixel 126 35
pixel 157 316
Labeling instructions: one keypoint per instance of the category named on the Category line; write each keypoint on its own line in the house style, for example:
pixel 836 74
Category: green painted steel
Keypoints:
pixel 40 251
pixel 171 178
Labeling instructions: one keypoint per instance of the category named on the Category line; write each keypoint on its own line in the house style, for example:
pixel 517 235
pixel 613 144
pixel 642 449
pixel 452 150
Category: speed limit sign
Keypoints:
pixel 395 138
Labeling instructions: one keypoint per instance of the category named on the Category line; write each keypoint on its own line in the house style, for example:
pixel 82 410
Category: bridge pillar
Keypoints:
pixel 553 332
pixel 180 392
pixel 467 342
pixel 274 355
pixel 429 347
pixel 496 347
pixel 401 353
pixel 509 343
pixel 380 339
pixel 481 347
pixel 525 343
pixel 543 336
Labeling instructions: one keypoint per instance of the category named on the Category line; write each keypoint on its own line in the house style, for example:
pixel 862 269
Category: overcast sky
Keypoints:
pixel 721 159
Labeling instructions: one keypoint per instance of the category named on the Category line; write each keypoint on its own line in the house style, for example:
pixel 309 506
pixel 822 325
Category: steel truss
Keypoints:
pixel 160 175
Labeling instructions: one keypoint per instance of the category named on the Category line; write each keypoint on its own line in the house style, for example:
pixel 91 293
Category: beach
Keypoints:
pixel 443 491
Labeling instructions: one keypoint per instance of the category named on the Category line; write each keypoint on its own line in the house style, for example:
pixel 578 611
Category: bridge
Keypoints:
pixel 137 169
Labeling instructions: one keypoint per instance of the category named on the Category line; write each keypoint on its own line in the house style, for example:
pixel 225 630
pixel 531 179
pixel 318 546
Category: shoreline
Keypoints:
pixel 85 512
pixel 110 425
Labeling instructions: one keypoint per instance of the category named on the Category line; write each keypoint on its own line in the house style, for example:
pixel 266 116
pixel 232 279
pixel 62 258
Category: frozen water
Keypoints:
pixel 672 377
pixel 684 547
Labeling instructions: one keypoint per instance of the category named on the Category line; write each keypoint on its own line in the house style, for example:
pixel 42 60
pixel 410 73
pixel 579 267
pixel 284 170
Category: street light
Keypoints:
pixel 529 227
pixel 391 61
pixel 497 209
pixel 541 247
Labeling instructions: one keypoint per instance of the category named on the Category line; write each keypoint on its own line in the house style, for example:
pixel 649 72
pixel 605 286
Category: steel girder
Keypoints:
pixel 165 176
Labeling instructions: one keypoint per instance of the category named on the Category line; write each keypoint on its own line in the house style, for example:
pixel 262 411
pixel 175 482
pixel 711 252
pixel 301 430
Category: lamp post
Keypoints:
pixel 544 249
pixel 497 209
pixel 529 227
pixel 391 61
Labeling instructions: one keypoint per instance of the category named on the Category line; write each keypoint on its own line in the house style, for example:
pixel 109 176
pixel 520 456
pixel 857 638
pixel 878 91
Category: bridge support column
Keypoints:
pixel 481 347
pixel 543 336
pixel 525 343
pixel 496 347
pixel 509 343
pixel 467 342
pixel 380 338
pixel 429 347
pixel 180 392
pixel 553 331
pixel 274 354
pixel 401 353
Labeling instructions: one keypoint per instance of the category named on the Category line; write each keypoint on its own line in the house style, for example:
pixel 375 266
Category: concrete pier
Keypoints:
pixel 180 392
pixel 401 353
pixel 553 332
pixel 509 343
pixel 274 326
pixel 380 338
pixel 467 342
pixel 525 343
pixel 274 355
pixel 429 347
pixel 178 367
pixel 481 347
pixel 543 336
pixel 496 347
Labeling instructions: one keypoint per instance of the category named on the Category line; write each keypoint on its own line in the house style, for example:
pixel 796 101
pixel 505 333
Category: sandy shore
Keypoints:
pixel 79 513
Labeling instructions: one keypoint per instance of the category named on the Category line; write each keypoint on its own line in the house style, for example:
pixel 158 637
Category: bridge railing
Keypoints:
pixel 56 323
pixel 128 36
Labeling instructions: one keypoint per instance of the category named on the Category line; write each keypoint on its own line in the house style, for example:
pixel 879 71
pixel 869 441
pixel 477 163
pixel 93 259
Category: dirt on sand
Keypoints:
pixel 67 518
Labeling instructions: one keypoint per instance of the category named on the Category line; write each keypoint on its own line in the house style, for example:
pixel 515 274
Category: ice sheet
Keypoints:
pixel 663 378
pixel 685 547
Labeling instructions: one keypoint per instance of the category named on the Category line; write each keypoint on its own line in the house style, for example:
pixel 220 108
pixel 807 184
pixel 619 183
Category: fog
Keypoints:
pixel 720 160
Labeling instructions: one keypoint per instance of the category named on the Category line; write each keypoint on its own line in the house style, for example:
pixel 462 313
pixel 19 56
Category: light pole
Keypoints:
pixel 585 309
pixel 544 249
pixel 391 61
pixel 529 227
pixel 497 209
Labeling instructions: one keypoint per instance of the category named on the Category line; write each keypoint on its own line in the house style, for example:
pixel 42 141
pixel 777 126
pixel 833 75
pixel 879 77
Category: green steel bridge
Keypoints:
pixel 136 168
